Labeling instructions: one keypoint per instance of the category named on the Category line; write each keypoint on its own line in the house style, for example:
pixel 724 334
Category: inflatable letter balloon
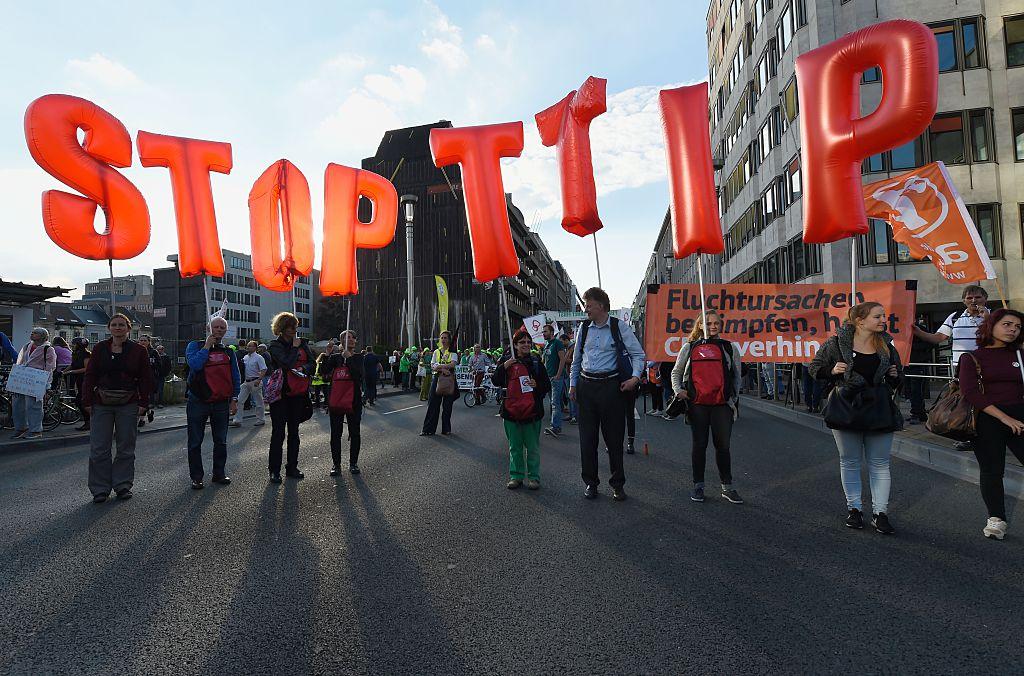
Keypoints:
pixel 344 232
pixel 695 224
pixel 478 150
pixel 566 125
pixel 51 131
pixel 835 138
pixel 191 161
pixel 281 189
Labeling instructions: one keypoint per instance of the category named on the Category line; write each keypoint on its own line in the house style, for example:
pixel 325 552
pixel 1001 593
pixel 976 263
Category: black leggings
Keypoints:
pixel 990 449
pixel 717 419
pixel 630 403
pixel 285 414
pixel 338 421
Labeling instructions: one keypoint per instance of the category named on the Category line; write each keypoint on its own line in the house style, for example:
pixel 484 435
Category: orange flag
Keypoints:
pixel 928 216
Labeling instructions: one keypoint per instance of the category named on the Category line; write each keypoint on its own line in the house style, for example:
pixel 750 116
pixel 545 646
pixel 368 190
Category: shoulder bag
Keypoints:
pixel 952 416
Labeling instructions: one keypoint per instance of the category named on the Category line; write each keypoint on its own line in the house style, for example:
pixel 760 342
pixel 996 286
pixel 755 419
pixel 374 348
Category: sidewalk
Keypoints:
pixel 914 444
pixel 167 419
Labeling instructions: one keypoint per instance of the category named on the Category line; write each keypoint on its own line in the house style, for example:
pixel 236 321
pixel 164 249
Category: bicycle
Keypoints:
pixel 57 410
pixel 487 393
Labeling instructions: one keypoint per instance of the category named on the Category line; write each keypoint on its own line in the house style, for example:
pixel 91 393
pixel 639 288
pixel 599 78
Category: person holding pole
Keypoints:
pixel 606 367
pixel 344 369
pixel 213 385
pixel 865 368
pixel 527 383
pixel 292 356
pixel 443 388
pixel 708 375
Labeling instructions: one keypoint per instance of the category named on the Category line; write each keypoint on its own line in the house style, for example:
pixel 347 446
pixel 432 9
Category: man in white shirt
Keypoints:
pixel 252 384
pixel 961 326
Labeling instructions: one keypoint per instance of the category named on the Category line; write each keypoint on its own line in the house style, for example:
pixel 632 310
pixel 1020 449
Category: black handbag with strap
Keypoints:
pixel 866 408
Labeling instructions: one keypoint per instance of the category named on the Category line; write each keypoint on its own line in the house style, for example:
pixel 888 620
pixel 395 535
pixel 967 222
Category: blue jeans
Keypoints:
pixel 853 448
pixel 27 412
pixel 557 389
pixel 197 412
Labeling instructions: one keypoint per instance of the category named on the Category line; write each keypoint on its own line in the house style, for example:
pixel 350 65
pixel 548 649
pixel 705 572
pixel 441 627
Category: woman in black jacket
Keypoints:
pixel 292 356
pixel 347 357
pixel 865 369
pixel 527 383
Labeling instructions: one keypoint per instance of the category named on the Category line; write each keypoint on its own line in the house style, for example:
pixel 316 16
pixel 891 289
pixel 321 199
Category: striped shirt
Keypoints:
pixel 964 332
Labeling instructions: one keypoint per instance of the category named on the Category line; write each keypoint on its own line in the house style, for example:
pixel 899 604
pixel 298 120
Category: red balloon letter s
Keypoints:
pixel 566 125
pixel 51 131
pixel 835 138
pixel 281 189
pixel 191 162
pixel 344 233
pixel 478 150
pixel 696 227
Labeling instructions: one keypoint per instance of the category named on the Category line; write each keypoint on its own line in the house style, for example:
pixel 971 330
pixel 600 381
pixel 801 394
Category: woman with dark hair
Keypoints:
pixel 442 368
pixel 999 403
pixel 79 361
pixel 865 368
pixel 527 384
pixel 290 355
pixel 115 392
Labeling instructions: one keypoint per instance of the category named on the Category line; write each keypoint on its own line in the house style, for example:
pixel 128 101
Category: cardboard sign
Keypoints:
pixel 28 381
pixel 781 323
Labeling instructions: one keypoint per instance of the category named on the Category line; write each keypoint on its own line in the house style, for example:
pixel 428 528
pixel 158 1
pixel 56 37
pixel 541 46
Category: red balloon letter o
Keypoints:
pixel 281 189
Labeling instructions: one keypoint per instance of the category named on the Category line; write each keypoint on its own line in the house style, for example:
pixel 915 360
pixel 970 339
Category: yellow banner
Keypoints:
pixel 442 302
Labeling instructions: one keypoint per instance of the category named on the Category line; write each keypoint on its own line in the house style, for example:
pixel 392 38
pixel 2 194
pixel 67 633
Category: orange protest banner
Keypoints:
pixel 928 216
pixel 783 323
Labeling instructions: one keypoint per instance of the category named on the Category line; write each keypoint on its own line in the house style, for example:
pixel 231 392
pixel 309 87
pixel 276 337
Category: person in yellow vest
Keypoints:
pixel 443 388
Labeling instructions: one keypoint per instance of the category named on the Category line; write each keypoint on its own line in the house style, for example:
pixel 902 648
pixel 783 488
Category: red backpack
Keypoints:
pixel 708 369
pixel 343 391
pixel 519 405
pixel 217 374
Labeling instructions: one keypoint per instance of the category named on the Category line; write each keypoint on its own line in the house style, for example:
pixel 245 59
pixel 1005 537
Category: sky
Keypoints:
pixel 321 82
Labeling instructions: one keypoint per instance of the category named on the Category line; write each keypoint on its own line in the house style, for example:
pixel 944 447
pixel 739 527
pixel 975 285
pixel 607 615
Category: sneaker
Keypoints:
pixel 965 446
pixel 336 470
pixel 572 421
pixel 124 494
pixel 197 484
pixel 630 448
pixel 552 432
pixel 669 417
pixel 697 495
pixel 149 415
pixel 100 497
pixel 855 519
pixel 234 423
pixel 514 484
pixel 258 423
pixel 33 435
pixel 732 496
pixel 142 422
pixel 995 528
pixel 532 484
pixel 353 469
pixel 881 523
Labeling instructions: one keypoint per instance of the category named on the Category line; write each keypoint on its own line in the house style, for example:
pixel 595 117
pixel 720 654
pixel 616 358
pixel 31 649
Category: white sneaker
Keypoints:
pixel 995 528
pixel 653 412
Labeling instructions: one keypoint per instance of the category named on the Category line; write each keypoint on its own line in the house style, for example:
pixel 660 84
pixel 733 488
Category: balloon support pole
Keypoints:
pixel 206 295
pixel 853 271
pixel 110 267
pixel 348 315
pixel 700 280
pixel 597 260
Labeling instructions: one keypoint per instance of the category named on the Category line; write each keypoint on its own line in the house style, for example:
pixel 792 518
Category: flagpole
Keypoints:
pixel 1002 294
pixel 597 259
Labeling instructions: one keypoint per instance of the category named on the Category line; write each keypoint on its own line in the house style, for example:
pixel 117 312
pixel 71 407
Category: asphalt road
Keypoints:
pixel 426 563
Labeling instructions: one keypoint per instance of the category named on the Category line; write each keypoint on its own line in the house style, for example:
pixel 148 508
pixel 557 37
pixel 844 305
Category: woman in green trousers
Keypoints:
pixel 526 381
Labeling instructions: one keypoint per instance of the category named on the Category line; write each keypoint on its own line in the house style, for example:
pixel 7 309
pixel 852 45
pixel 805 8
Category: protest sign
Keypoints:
pixel 27 380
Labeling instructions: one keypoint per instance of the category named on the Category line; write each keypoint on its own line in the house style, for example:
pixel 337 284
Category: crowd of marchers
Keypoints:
pixel 590 379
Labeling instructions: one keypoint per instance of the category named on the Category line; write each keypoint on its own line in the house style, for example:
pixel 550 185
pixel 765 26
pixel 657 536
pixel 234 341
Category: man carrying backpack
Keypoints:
pixel 708 375
pixel 213 386
pixel 606 367
pixel 527 384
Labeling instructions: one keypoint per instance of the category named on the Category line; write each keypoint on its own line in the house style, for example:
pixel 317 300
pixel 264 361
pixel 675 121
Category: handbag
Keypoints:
pixel 306 410
pixel 863 409
pixel 272 388
pixel 677 406
pixel 109 397
pixel 952 416
pixel 445 384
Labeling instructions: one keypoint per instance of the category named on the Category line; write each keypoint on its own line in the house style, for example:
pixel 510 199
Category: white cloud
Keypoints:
pixel 337 72
pixel 485 41
pixel 627 148
pixel 404 84
pixel 443 40
pixel 98 69
pixel 359 123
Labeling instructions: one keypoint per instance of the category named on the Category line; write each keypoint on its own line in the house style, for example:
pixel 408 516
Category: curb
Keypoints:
pixel 55 443
pixel 952 463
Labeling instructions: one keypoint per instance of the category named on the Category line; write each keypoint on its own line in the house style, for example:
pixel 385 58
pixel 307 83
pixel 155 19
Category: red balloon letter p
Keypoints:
pixel 835 138
pixel 478 150
pixel 344 232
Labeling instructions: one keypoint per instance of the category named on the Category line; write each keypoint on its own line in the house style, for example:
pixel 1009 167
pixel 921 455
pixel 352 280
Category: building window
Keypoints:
pixel 871 75
pixel 982 142
pixel 874 164
pixel 768 204
pixel 790 102
pixel 986 218
pixel 907 156
pixel 945 36
pixel 1014 29
pixel 1017 115
pixel 971 37
pixel 794 179
pixel 946 138
pixel 784 29
pixel 961 44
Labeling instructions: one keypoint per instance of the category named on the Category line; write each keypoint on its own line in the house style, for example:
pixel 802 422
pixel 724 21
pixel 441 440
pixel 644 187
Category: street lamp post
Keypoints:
pixel 409 210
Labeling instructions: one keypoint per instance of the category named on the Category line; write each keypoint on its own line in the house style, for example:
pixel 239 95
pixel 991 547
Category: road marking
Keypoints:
pixel 407 408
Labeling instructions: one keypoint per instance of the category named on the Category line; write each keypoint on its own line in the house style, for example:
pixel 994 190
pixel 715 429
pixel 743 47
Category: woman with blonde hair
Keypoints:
pixel 865 369
pixel 708 376
pixel 290 355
